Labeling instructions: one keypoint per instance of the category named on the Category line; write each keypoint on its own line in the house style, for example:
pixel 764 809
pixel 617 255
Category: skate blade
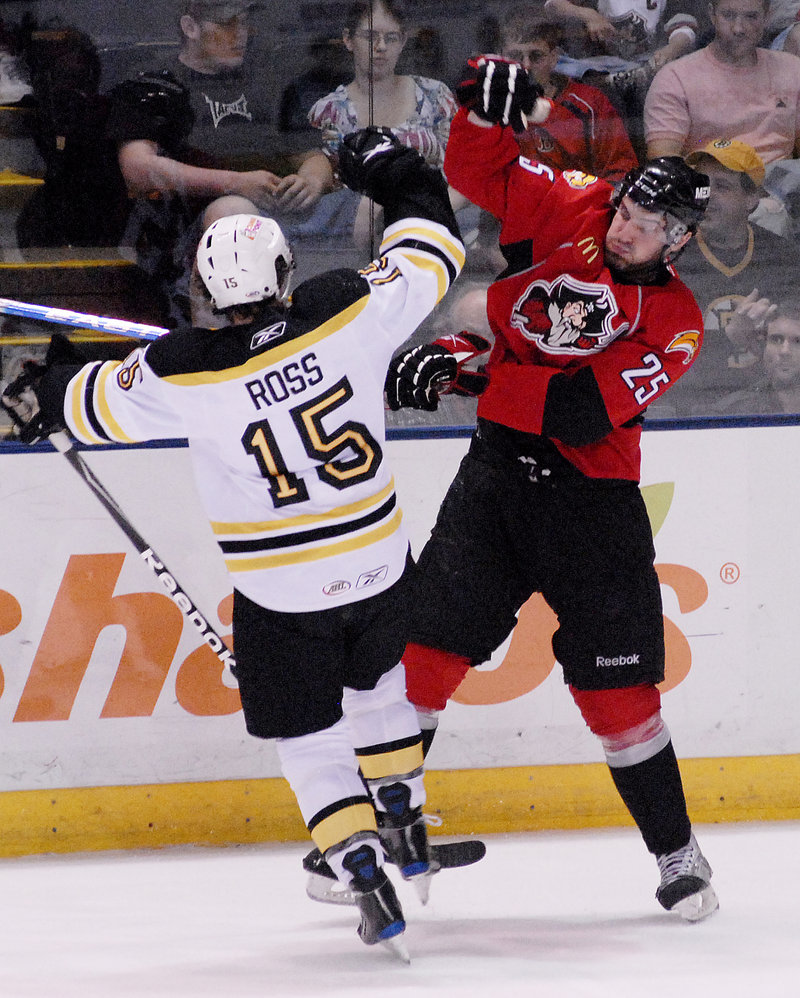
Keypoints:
pixel 698 906
pixel 397 947
pixel 422 885
pixel 328 891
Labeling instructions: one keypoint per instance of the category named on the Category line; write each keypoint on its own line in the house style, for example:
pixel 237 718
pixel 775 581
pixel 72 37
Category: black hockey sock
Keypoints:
pixel 653 793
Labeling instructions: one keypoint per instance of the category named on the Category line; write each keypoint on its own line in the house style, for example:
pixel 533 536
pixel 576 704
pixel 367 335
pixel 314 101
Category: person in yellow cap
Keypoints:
pixel 736 270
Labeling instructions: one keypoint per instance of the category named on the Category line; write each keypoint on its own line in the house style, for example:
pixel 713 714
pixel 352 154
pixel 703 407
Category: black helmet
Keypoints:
pixel 668 184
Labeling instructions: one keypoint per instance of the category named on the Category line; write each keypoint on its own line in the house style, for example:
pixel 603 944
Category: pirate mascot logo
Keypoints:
pixel 567 316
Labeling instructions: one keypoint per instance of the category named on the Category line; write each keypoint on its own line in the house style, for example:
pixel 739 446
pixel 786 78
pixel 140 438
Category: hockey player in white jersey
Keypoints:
pixel 284 414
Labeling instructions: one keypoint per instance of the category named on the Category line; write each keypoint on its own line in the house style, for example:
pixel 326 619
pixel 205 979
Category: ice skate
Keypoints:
pixel 405 837
pixel 381 915
pixel 323 885
pixel 686 883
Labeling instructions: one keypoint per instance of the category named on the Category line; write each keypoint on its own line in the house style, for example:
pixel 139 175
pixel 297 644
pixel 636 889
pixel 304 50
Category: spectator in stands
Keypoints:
pixel 330 67
pixel 621 44
pixel 583 130
pixel 417 109
pixel 782 30
pixel 83 201
pixel 736 270
pixel 730 89
pixel 199 131
pixel 777 390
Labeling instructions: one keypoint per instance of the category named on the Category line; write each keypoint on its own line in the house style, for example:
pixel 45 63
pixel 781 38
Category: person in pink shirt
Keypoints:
pixel 729 89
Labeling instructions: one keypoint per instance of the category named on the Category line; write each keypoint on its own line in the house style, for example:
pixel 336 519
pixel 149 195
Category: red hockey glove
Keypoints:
pixel 417 377
pixel 498 91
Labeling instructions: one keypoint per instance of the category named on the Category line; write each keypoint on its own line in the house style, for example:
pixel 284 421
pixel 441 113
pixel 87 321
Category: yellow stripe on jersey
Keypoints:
pixel 304 520
pixel 338 827
pixel 101 409
pixel 402 761
pixel 431 263
pixel 317 552
pixel 277 354
pixel 75 397
pixel 445 241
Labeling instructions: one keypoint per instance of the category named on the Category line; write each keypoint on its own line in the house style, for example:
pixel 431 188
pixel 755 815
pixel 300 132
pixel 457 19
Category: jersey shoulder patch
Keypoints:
pixel 579 180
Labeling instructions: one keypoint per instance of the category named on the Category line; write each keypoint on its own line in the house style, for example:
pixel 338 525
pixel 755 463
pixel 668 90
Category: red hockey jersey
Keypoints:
pixel 557 308
pixel 583 132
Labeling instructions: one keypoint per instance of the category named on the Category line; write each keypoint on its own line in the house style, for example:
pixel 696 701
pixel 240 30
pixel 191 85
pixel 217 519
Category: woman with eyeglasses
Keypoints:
pixel 416 108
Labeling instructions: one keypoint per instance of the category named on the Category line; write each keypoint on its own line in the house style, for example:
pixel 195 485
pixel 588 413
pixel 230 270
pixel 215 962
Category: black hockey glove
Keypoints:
pixel 498 91
pixel 35 399
pixel 417 377
pixel 374 162
pixel 153 99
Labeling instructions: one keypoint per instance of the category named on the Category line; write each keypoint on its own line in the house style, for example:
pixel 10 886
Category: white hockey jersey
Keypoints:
pixel 285 422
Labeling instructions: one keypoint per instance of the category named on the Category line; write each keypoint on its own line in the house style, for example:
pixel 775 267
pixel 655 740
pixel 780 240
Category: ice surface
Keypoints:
pixel 556 915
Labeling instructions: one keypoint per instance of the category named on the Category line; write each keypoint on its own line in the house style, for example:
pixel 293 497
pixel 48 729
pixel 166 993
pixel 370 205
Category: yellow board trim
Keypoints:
pixel 63 264
pixel 469 801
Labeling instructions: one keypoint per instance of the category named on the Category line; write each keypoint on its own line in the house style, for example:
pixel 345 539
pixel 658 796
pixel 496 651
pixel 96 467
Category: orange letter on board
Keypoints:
pixel 83 606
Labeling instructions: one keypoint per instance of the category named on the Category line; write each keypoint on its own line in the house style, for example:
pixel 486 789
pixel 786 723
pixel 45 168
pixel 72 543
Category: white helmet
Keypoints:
pixel 244 258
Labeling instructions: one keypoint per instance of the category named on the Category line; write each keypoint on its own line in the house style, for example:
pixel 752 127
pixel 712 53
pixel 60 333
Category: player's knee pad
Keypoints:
pixel 610 712
pixel 390 689
pixel 432 675
pixel 320 768
pixel 382 721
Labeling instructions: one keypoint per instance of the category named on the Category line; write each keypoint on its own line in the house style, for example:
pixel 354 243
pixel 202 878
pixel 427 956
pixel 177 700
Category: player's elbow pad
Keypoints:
pixel 574 410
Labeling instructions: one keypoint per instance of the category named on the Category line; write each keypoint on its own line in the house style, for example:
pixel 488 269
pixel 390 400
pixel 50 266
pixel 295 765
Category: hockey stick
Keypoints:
pixel 64 445
pixel 81 320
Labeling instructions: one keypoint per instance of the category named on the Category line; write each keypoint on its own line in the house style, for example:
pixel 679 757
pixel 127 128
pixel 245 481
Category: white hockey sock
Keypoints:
pixel 380 720
pixel 636 744
pixel 320 768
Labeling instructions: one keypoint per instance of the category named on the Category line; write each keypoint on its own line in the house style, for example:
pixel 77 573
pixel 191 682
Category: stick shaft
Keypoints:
pixel 81 320
pixel 63 444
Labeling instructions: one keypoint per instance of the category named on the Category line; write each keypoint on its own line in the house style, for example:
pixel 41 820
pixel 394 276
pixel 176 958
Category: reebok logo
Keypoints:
pixel 608 663
pixel 385 146
pixel 267 335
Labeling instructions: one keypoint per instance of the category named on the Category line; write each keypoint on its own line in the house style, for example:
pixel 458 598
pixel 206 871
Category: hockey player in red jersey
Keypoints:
pixel 591 324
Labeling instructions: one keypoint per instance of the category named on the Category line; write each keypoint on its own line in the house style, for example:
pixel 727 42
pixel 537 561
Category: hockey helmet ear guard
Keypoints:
pixel 243 259
pixel 669 185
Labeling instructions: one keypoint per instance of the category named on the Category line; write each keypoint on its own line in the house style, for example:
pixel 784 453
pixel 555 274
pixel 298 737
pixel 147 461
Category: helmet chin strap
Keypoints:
pixel 652 272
